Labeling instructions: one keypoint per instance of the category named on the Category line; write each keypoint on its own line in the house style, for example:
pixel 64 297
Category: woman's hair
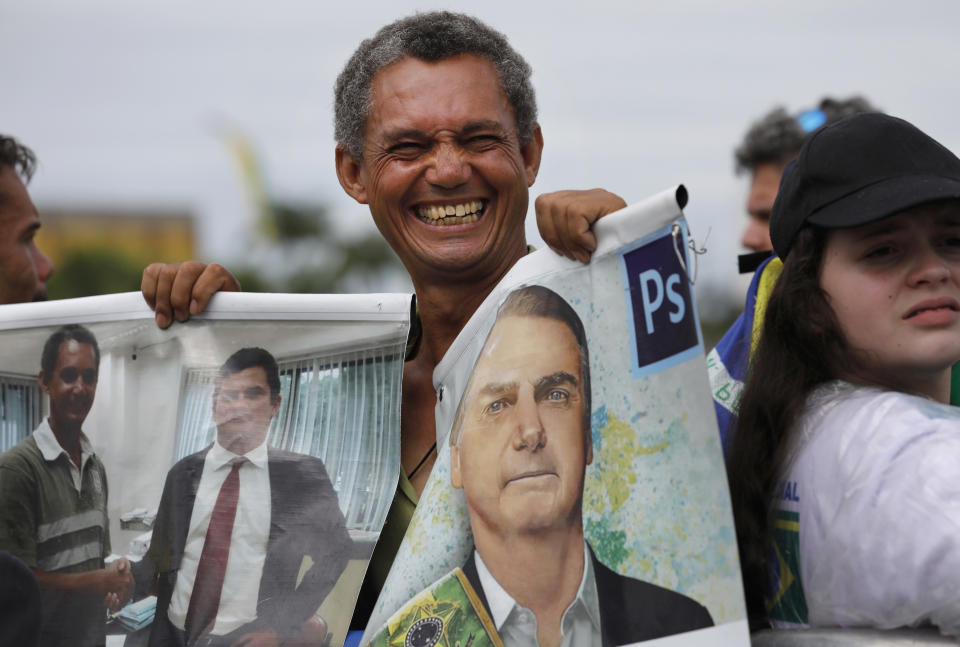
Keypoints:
pixel 801 346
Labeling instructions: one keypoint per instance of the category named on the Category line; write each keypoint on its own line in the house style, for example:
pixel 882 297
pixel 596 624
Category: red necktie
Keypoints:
pixel 205 599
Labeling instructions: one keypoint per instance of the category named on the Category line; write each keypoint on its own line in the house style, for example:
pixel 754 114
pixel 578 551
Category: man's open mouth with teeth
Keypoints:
pixel 452 214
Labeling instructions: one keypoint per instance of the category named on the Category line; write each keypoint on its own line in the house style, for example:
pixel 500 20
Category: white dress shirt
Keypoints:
pixel 517 624
pixel 248 541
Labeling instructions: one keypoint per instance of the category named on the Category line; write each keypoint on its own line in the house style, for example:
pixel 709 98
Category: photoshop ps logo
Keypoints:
pixel 659 301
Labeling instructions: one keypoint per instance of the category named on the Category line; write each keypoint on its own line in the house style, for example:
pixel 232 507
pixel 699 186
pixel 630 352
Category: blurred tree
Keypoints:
pixel 94 270
pixel 296 249
pixel 294 222
pixel 251 279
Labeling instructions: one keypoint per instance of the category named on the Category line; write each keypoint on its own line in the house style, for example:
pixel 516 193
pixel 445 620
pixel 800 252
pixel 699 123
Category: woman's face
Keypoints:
pixel 894 285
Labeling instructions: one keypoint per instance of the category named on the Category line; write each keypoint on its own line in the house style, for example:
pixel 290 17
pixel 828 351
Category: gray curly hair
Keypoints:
pixel 777 136
pixel 431 37
pixel 18 157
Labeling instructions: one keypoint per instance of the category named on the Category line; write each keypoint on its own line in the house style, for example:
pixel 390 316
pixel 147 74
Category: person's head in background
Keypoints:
pixel 245 399
pixel 24 269
pixel 769 144
pixel 69 372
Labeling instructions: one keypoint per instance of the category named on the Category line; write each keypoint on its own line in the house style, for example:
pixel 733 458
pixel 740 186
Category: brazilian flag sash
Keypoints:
pixel 448 614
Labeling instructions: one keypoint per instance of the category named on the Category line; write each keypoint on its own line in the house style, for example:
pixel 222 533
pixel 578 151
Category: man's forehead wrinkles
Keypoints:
pixel 468 128
pixel 496 388
pixel 482 124
pixel 506 386
pixel 559 377
pixel 404 133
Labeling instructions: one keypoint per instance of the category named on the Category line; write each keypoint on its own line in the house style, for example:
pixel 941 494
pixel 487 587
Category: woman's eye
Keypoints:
pixel 880 252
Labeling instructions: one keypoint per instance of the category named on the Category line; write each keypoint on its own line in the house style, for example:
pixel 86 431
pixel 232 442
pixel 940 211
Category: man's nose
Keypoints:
pixel 756 237
pixel 43 265
pixel 530 433
pixel 449 168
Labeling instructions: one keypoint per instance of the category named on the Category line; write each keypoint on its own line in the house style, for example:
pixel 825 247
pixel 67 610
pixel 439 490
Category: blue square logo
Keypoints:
pixel 660 301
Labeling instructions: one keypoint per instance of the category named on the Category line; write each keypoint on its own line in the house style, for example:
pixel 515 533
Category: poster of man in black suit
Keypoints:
pixel 286 542
pixel 519 448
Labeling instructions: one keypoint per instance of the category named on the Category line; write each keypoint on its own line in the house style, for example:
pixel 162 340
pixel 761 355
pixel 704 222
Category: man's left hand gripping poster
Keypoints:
pixel 221 482
pixel 579 496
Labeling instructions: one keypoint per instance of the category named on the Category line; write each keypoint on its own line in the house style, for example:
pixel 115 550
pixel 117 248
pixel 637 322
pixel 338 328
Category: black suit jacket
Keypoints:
pixel 630 610
pixel 305 519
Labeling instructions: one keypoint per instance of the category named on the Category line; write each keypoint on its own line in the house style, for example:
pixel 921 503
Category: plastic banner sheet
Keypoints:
pixel 271 418
pixel 566 366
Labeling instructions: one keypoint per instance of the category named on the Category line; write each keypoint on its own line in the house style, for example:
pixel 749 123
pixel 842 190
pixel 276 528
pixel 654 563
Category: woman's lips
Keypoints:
pixel 933 305
pixel 933 312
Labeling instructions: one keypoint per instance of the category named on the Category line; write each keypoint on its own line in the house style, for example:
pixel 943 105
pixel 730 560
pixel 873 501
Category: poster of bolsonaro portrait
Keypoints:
pixel 579 492
pixel 217 482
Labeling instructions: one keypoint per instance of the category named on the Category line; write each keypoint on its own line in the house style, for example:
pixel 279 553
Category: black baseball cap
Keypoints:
pixel 860 169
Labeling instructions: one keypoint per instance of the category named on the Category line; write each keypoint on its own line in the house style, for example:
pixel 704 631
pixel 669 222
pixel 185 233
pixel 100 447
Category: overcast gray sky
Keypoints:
pixel 123 101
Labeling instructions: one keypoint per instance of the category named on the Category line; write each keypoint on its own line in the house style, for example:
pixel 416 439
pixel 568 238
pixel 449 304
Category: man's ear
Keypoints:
pixel 351 175
pixel 532 151
pixel 455 479
pixel 42 382
pixel 276 405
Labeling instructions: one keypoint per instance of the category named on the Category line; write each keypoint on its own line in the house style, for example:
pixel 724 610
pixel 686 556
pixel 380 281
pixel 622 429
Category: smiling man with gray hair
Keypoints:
pixel 437 133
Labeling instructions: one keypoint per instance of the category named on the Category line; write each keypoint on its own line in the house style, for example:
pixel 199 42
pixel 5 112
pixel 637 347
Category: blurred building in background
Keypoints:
pixel 104 250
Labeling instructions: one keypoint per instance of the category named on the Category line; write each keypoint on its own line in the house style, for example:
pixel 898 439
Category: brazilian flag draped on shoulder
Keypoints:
pixel 448 614
pixel 729 362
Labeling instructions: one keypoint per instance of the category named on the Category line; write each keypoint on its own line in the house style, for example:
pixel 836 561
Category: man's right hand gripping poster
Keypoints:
pixel 579 496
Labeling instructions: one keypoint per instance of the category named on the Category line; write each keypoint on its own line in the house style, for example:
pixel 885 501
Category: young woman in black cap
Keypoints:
pixel 844 467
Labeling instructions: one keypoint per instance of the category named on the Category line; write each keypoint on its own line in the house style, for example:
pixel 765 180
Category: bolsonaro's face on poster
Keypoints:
pixel 521 449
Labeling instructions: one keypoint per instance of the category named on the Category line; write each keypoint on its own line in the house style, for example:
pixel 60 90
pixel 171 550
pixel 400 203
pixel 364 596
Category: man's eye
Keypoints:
pixel 28 235
pixel 479 142
pixel 557 395
pixel 406 149
pixel 71 374
pixel 496 406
